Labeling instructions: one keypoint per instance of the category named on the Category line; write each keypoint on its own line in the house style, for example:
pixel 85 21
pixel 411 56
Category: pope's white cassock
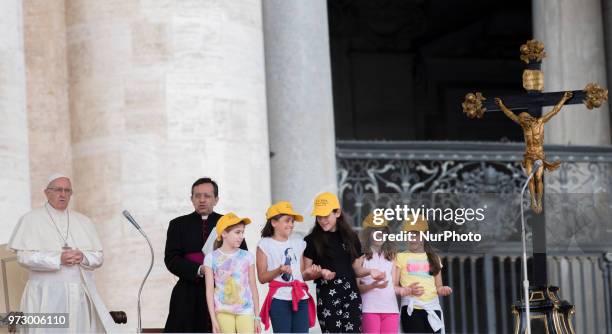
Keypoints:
pixel 52 287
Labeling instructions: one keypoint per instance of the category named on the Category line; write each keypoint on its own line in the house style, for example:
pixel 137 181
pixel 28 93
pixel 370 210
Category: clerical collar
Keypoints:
pixel 204 217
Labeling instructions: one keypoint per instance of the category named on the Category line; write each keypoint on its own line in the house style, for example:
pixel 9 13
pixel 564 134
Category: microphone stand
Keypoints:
pixel 133 221
pixel 536 166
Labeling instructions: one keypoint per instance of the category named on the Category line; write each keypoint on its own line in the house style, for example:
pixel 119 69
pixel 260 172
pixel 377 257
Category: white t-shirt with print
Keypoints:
pixel 280 253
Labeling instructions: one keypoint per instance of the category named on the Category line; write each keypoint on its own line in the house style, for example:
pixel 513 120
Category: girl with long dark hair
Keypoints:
pixel 335 247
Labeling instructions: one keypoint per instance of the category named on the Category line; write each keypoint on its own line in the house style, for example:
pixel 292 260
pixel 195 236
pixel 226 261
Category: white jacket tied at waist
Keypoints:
pixel 436 322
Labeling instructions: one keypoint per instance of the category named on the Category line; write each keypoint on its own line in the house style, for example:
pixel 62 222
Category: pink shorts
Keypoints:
pixel 380 323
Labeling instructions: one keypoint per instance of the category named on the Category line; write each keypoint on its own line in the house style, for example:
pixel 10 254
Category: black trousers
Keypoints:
pixel 188 310
pixel 339 305
pixel 417 322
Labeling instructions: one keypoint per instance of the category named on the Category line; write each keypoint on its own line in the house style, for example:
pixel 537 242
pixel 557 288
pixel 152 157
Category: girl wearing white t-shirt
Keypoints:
pixel 279 263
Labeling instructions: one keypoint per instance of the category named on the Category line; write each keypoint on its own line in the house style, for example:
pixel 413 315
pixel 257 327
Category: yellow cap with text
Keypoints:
pixel 324 204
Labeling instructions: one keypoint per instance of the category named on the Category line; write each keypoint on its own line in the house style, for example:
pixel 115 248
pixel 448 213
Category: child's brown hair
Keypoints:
pixel 435 264
pixel 387 248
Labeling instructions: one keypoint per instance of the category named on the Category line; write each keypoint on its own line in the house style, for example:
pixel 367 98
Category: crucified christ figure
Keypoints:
pixel 533 131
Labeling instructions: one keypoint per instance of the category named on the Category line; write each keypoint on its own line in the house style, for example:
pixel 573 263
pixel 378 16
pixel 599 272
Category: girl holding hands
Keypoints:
pixel 288 304
pixel 335 247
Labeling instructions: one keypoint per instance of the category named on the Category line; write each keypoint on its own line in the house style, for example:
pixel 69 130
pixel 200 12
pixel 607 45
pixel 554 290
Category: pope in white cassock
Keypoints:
pixel 60 248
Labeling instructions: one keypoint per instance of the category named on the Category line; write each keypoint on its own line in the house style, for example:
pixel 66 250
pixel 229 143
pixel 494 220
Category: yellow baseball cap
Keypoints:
pixel 283 208
pixel 419 225
pixel 228 220
pixel 369 222
pixel 324 204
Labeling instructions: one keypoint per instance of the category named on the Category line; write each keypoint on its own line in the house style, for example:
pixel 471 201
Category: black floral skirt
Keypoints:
pixel 339 305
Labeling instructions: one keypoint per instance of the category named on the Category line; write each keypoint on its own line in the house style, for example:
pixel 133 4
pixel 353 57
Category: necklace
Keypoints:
pixel 57 228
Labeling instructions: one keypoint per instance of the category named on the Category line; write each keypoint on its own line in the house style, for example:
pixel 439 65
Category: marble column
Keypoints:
pixel 14 158
pixel 572 33
pixel 606 9
pixel 300 106
pixel 162 93
pixel 47 92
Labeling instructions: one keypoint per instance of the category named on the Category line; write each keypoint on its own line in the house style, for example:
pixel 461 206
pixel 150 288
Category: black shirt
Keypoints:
pixel 336 257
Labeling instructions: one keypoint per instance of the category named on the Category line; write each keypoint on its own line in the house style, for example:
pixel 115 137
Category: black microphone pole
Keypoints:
pixel 131 219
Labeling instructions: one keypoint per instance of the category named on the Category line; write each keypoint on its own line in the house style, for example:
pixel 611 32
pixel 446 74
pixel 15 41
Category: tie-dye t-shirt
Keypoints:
pixel 231 273
pixel 414 267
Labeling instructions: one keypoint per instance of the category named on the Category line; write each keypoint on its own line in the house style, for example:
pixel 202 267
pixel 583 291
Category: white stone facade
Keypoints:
pixel 14 156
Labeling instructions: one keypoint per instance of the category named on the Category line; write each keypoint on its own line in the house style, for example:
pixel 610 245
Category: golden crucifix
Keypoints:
pixel 532 54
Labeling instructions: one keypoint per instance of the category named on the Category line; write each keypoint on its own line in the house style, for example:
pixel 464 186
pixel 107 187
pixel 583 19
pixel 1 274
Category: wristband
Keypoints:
pixel 257 318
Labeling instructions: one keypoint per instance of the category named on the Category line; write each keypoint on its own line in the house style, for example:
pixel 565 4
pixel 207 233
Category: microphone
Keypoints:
pixel 536 165
pixel 131 219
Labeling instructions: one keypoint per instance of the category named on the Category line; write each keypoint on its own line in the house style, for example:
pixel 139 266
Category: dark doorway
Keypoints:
pixel 401 68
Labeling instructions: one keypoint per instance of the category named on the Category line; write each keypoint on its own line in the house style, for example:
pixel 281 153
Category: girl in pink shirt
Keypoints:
pixel 380 310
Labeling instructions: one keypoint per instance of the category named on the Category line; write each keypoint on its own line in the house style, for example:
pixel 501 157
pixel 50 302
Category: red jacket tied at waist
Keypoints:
pixel 298 289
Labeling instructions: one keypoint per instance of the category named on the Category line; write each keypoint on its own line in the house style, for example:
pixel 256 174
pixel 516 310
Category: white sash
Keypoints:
pixel 436 322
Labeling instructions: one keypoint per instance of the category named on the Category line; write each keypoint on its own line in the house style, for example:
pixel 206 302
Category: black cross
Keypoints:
pixel 533 101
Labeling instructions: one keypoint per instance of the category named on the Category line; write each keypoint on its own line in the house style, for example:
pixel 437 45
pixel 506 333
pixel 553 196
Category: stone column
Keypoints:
pixel 572 33
pixel 300 106
pixel 14 159
pixel 162 93
pixel 47 92
pixel 606 8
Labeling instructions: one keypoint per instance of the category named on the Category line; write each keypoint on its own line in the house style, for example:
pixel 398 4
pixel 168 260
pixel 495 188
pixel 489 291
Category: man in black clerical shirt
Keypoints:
pixel 183 257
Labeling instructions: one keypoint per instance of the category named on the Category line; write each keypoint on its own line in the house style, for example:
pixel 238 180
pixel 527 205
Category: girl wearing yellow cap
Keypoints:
pixel 421 311
pixel 335 247
pixel 380 311
pixel 231 290
pixel 279 263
